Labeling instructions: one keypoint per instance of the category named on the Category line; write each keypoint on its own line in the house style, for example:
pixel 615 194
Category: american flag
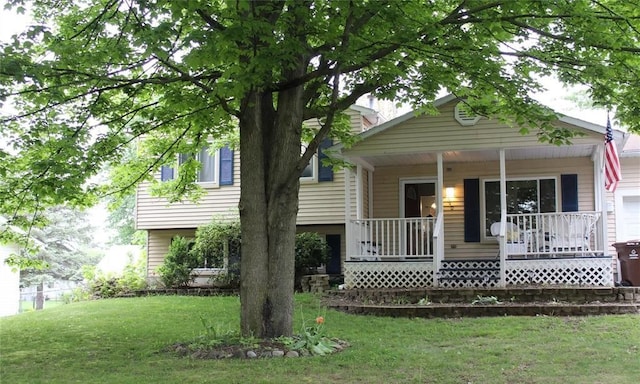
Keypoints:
pixel 611 161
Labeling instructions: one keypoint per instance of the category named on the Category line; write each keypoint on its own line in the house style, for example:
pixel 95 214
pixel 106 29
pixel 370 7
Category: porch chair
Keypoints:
pixel 571 233
pixel 515 242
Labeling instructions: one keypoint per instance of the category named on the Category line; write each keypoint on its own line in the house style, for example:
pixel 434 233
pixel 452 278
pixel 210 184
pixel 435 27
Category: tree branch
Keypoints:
pixel 215 25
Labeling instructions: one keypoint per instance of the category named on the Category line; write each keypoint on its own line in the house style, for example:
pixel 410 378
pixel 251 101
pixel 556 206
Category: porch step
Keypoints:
pixel 477 273
pixel 474 263
pixel 470 278
pixel 470 269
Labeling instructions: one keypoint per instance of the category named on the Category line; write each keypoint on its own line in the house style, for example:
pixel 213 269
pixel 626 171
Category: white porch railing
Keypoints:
pixel 388 239
pixel 552 235
pixel 547 249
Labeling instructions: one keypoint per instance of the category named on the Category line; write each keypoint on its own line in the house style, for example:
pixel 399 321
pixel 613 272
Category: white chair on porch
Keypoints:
pixel 571 233
pixel 516 244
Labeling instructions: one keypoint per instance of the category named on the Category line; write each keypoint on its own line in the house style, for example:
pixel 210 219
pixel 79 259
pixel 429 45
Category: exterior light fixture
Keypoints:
pixel 450 193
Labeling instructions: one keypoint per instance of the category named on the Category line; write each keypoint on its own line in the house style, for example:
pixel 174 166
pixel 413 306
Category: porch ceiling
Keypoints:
pixel 479 156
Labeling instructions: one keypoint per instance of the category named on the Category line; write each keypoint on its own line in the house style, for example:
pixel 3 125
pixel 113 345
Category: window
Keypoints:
pixel 309 173
pixel 209 261
pixel 207 174
pixel 215 169
pixel 315 171
pixel 523 196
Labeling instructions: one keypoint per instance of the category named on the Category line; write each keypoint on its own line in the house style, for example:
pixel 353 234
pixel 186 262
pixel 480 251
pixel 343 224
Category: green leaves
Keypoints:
pixel 87 79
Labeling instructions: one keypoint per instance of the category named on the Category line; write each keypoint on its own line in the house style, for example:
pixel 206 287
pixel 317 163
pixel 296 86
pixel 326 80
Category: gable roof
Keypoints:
pixel 620 137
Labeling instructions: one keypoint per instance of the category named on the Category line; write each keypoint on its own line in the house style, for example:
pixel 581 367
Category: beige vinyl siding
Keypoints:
pixel 386 192
pixel 156 213
pixel 320 203
pixel 158 242
pixel 442 132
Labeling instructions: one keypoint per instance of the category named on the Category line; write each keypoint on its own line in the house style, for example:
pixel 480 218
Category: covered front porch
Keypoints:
pixel 434 203
pixel 559 249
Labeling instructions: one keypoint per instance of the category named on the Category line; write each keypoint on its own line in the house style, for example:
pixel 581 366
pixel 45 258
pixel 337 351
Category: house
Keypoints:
pixel 420 205
pixel 321 207
pixel 9 274
pixel 9 282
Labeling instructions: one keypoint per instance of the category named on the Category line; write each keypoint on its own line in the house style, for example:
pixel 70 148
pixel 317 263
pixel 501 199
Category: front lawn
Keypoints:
pixel 121 341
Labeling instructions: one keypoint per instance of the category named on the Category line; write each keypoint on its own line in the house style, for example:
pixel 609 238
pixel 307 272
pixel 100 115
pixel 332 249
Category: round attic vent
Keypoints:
pixel 463 116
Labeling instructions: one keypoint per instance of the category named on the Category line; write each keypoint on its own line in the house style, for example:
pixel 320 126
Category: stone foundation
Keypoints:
pixel 315 283
pixel 516 295
pixel 488 302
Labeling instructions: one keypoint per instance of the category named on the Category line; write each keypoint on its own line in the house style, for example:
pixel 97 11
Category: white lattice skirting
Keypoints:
pixel 388 275
pixel 582 271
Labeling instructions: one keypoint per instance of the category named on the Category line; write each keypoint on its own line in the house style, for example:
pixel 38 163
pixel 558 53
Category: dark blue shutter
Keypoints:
pixel 569 190
pixel 325 173
pixel 226 166
pixel 472 210
pixel 166 173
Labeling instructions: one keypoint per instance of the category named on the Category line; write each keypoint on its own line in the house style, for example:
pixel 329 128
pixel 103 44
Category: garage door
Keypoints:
pixel 630 226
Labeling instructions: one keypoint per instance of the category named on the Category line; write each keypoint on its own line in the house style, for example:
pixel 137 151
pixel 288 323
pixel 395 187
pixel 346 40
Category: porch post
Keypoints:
pixel 600 203
pixel 370 192
pixel 347 212
pixel 503 209
pixel 438 254
pixel 359 192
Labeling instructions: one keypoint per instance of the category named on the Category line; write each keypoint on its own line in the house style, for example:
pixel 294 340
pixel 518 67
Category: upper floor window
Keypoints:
pixel 208 165
pixel 309 173
pixel 316 170
pixel 215 168
pixel 536 195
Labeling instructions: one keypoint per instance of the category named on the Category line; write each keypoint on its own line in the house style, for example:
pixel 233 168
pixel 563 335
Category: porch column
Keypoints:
pixel 370 192
pixel 600 197
pixel 503 216
pixel 438 254
pixel 347 212
pixel 359 193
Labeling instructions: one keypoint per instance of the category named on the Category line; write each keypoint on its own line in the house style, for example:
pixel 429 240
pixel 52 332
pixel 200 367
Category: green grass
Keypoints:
pixel 26 306
pixel 121 341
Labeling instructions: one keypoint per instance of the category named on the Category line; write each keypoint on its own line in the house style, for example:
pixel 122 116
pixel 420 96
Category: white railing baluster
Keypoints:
pixel 558 235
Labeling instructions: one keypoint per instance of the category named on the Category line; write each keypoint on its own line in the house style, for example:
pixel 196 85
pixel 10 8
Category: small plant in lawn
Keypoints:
pixel 486 300
pixel 424 301
pixel 312 338
pixel 215 335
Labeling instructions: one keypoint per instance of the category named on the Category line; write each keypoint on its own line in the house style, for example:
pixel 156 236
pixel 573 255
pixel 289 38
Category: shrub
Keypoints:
pixel 311 252
pixel 211 241
pixel 217 237
pixel 176 271
pixel 100 285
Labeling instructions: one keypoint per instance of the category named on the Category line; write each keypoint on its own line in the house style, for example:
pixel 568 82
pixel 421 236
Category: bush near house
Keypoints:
pixel 217 240
pixel 100 285
pixel 178 266
pixel 312 251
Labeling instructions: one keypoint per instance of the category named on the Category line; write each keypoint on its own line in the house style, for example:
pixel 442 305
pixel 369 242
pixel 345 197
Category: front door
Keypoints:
pixel 418 199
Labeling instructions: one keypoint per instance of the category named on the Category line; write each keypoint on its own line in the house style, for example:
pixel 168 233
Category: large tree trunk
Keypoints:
pixel 269 150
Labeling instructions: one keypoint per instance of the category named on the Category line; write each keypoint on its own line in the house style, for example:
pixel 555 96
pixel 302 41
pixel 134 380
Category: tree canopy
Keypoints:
pixel 89 77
